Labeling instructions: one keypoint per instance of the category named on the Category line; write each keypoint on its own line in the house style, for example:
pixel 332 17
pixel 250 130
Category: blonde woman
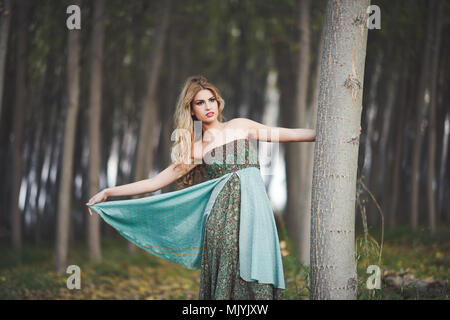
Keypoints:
pixel 220 218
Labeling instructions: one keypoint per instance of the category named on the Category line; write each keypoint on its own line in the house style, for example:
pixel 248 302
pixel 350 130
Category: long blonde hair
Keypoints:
pixel 184 121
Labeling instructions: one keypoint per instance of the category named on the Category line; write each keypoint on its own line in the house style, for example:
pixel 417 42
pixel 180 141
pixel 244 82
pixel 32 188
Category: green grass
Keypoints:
pixel 121 275
pixel 417 253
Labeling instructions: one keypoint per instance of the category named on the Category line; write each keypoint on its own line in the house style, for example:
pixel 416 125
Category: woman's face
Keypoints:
pixel 205 106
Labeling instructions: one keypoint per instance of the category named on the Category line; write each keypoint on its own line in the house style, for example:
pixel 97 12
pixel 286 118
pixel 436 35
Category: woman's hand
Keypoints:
pixel 99 197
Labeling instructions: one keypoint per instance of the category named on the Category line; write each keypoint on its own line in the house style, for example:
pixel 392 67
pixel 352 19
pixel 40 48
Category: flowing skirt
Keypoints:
pixel 219 278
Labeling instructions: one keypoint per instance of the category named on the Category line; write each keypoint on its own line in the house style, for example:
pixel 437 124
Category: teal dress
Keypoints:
pixel 220 278
pixel 223 224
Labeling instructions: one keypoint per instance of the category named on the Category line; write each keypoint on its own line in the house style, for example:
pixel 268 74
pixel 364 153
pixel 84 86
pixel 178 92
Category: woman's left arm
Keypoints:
pixel 262 132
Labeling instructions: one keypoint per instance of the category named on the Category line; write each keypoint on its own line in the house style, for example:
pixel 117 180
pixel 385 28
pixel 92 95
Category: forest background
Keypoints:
pixel 85 112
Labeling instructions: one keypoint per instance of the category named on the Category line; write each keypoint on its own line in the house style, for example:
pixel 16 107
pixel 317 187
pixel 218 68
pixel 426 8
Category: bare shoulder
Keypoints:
pixel 238 123
pixel 241 124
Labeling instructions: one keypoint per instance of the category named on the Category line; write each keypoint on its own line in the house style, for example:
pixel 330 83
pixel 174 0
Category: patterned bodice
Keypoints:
pixel 232 156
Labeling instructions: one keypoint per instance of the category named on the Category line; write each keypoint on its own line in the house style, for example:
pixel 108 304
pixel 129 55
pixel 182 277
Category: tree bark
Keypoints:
pixel 399 133
pixel 333 267
pixel 167 107
pixel 65 188
pixel 393 101
pixel 17 141
pixel 4 33
pixel 379 109
pixel 305 177
pixel 431 195
pixel 443 169
pixel 311 117
pixel 420 113
pixel 48 118
pixel 95 103
pixel 444 115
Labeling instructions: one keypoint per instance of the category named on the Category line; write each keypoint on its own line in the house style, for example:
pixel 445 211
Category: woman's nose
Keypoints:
pixel 209 105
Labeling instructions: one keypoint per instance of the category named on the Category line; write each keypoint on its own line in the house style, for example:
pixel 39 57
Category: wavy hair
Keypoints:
pixel 184 124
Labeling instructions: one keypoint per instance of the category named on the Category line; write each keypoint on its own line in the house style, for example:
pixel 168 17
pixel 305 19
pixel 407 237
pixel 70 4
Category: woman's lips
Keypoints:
pixel 210 114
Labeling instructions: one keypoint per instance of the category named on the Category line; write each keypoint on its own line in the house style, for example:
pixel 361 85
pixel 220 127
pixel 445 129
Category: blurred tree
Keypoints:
pixel 434 69
pixel 65 188
pixel 17 143
pixel 420 114
pixel 5 11
pixel 298 204
pixel 95 105
pixel 148 123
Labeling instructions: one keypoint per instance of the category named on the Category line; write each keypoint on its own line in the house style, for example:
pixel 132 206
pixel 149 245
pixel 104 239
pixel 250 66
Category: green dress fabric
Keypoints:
pixel 220 273
pixel 223 224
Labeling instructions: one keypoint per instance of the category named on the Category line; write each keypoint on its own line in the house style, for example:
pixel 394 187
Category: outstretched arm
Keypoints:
pixel 164 178
pixel 161 180
pixel 262 132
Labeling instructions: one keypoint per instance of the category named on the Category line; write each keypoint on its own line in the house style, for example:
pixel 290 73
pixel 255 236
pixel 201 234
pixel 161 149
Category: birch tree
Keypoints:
pixel 333 267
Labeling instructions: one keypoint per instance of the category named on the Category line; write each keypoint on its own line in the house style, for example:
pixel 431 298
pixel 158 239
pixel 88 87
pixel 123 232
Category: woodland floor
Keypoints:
pixel 142 276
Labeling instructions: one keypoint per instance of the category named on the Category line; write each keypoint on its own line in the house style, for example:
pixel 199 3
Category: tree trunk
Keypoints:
pixel 379 109
pixel 167 107
pixel 297 213
pixel 399 133
pixel 17 141
pixel 48 119
pixel 285 83
pixel 4 33
pixel 94 124
pixel 147 132
pixel 311 118
pixel 65 187
pixel 444 180
pixel 393 101
pixel 443 169
pixel 431 195
pixel 333 267
pixel 305 177
pixel 420 110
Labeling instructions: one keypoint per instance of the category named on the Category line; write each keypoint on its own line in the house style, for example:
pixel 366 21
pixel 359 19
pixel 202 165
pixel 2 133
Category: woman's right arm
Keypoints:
pixel 162 179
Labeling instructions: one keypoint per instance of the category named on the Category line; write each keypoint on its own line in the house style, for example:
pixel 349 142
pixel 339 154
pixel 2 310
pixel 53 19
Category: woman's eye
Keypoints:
pixel 212 99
